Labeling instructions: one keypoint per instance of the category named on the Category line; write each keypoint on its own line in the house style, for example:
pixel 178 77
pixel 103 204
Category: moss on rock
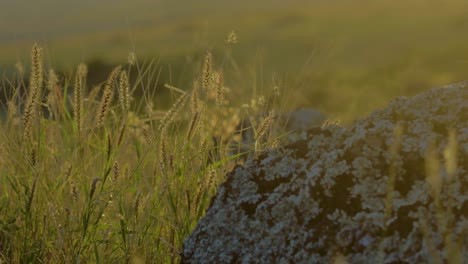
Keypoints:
pixel 328 194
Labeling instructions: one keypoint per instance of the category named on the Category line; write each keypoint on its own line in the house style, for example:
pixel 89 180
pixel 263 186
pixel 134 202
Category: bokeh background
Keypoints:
pixel 343 57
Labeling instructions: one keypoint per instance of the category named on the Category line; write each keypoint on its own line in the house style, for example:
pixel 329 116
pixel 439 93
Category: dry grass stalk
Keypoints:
pixel 124 91
pixel 33 102
pixel 12 111
pixel 276 90
pixel 116 171
pixel 196 112
pixel 193 125
pixel 109 146
pixel 163 153
pixel 121 134
pixel 169 116
pixel 231 38
pixel 93 187
pixel 78 96
pixel 73 191
pixel 33 157
pixel 83 72
pixel 31 195
pixel 203 144
pixel 195 99
pixel 107 96
pixel 52 100
pixel 204 187
pixel 131 58
pixel 171 164
pixel 219 89
pixel 206 72
pixel 93 94
pixel 146 136
pixel 264 129
pixel 211 179
pixel 198 196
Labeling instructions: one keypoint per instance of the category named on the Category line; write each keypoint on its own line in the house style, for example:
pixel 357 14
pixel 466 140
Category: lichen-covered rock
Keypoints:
pixel 331 193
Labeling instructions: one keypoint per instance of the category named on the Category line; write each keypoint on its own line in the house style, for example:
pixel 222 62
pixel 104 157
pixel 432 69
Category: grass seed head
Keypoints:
pixel 163 153
pixel 124 91
pixel 175 109
pixel 132 59
pixel 219 89
pixel 107 96
pixel 206 72
pixel 195 99
pixel 78 95
pixel 231 38
pixel 33 102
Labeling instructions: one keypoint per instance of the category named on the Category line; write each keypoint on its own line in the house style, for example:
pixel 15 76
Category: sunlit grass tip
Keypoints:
pixel 107 96
pixel 33 102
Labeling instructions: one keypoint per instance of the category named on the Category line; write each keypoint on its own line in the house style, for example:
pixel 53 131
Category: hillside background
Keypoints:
pixel 343 57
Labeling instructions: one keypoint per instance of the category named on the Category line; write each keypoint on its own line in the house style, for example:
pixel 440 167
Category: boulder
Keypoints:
pixel 366 193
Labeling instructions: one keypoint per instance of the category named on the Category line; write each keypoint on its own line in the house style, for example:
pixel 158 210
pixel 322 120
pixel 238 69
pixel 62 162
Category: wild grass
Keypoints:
pixel 89 178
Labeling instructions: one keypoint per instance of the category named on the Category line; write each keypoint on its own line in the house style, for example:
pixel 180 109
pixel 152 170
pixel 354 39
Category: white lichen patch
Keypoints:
pixel 326 195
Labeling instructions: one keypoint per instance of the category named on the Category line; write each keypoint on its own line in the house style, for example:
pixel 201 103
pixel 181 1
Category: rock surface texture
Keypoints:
pixel 330 193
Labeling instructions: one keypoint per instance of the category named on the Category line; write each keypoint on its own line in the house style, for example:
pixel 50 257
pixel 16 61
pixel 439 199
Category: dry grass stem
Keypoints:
pixel 196 111
pixel 265 126
pixel 121 134
pixel 232 38
pixel 78 96
pixel 116 171
pixel 193 125
pixel 107 96
pixel 33 102
pixel 175 109
pixel 53 103
pixel 124 91
pixel 195 99
pixel 93 187
pixel 108 146
pixel 163 153
pixel 206 72
pixel 220 90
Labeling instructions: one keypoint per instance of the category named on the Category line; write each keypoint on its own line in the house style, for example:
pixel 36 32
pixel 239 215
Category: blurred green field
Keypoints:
pixel 343 57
